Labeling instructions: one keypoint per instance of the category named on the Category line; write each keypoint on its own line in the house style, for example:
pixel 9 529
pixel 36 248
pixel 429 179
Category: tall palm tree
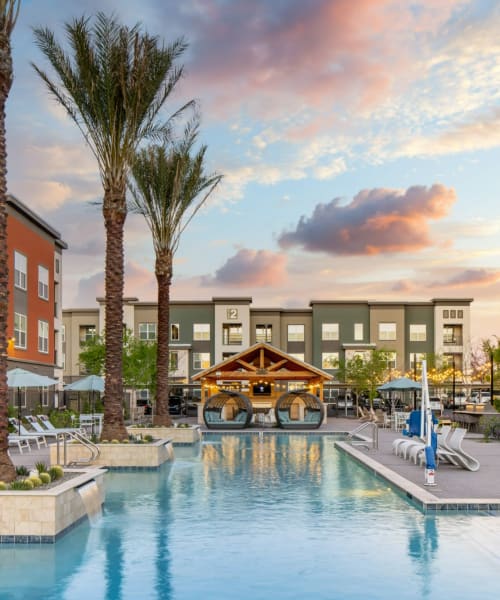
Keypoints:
pixel 113 84
pixel 168 187
pixel 9 10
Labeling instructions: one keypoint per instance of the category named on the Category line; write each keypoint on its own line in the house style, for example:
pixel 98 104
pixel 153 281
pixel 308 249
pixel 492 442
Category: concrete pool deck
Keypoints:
pixel 455 488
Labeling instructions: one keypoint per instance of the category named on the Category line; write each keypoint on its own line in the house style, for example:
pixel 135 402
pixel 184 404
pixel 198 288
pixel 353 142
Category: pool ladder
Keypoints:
pixel 358 437
pixel 63 438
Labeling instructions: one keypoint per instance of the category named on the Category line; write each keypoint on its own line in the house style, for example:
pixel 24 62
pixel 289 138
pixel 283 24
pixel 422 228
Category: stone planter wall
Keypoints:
pixel 122 455
pixel 178 435
pixel 41 516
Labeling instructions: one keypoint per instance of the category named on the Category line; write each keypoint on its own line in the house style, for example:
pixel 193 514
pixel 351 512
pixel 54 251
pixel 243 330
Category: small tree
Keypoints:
pixel 366 373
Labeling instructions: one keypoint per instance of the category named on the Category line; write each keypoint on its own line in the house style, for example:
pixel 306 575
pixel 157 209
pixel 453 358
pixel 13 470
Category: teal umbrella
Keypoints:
pixel 400 385
pixel 91 383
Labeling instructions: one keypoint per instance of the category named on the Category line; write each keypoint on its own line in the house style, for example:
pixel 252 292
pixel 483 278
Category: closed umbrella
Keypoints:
pixel 22 378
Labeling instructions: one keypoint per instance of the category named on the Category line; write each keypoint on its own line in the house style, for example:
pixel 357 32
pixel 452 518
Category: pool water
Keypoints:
pixel 263 518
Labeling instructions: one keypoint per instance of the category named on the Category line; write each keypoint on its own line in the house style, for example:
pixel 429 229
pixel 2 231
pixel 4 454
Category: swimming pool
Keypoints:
pixel 239 517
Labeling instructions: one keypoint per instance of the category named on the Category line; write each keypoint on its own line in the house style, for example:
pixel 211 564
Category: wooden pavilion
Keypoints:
pixel 263 374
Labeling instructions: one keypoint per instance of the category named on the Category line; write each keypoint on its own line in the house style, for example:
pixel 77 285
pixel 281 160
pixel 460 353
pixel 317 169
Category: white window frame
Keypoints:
pixel 330 331
pixel 330 360
pixel 43 337
pixel 418 332
pixel 201 360
pixel 417 357
pixel 391 359
pixel 359 332
pixel 20 270
pixel 263 333
pixel 201 331
pixel 295 332
pixel 175 332
pixel 44 393
pixel 232 334
pixel 387 331
pixel 173 360
pixel 147 331
pixel 43 282
pixel 20 330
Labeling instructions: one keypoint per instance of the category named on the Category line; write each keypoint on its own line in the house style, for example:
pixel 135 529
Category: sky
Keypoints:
pixel 359 143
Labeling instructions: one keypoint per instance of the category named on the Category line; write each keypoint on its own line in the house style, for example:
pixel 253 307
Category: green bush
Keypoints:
pixel 21 484
pixel 41 467
pixel 56 472
pixel 22 471
pixel 496 404
pixel 3 486
pixel 490 426
pixel 45 477
pixel 36 481
pixel 62 418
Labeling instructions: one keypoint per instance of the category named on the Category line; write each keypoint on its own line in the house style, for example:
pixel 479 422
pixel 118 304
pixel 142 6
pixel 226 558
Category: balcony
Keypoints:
pixel 452 340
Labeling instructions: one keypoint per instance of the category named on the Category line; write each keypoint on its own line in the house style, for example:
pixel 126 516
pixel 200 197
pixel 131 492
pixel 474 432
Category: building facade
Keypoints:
pixel 35 263
pixel 204 333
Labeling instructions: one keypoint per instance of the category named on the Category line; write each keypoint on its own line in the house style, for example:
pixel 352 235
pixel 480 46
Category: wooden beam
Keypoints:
pixel 277 365
pixel 247 365
pixel 262 363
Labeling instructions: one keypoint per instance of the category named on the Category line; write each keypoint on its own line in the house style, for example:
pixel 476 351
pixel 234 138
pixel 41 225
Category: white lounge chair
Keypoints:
pixel 465 460
pixel 20 442
pixel 43 425
pixel 39 439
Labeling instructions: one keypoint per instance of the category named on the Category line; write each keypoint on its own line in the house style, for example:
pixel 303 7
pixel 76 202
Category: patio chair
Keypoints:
pixel 29 435
pixel 454 444
pixel 43 424
pixel 20 442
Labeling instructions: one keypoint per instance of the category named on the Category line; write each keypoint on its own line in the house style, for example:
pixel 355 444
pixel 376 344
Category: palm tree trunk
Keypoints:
pixel 163 272
pixel 7 469
pixel 114 212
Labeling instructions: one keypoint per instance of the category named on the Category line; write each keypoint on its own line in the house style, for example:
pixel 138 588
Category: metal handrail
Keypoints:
pixel 365 441
pixel 66 436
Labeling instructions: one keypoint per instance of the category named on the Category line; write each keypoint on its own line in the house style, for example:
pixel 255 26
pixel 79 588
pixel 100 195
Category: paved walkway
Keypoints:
pixel 453 484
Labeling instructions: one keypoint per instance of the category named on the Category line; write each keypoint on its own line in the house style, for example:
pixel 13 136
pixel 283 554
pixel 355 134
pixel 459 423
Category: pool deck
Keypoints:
pixel 455 488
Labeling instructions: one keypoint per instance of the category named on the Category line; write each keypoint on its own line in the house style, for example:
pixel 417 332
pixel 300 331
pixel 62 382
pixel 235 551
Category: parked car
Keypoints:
pixel 459 401
pixel 175 405
pixel 480 397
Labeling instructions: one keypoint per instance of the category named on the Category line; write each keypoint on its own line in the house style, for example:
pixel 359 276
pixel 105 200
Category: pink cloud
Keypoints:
pixel 376 221
pixel 261 268
pixel 470 277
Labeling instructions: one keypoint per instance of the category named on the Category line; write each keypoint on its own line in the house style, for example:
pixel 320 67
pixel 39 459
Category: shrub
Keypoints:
pixel 3 486
pixel 115 441
pixel 45 477
pixel 41 467
pixel 36 481
pixel 148 438
pixel 21 484
pixel 125 441
pixel 22 471
pixel 56 472
pixel 496 404
pixel 490 426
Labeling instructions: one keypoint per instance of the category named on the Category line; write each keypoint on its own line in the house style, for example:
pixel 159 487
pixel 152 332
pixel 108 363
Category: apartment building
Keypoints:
pixel 203 333
pixel 35 253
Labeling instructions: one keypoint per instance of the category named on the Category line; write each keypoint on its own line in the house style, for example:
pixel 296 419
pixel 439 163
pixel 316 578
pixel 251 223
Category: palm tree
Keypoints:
pixel 9 10
pixel 113 85
pixel 168 188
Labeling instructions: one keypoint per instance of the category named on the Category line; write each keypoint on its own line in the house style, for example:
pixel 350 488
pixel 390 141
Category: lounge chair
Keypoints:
pixel 29 435
pixel 364 415
pixel 454 444
pixel 42 424
pixel 20 442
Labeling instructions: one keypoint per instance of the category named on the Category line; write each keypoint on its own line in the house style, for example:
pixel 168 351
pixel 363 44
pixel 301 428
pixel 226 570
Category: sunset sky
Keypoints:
pixel 359 142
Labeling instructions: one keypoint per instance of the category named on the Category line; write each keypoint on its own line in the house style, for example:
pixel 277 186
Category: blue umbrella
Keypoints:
pixel 91 383
pixel 401 384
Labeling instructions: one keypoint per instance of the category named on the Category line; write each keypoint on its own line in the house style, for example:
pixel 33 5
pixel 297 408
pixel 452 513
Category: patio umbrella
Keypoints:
pixel 22 378
pixel 91 383
pixel 401 384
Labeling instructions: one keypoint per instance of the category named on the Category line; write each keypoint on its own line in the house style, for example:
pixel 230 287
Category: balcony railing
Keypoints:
pixel 452 340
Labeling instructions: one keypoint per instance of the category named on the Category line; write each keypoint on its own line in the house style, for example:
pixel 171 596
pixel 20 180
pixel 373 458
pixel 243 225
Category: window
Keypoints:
pixel 460 314
pixel 453 314
pixel 387 331
pixel 452 335
pixel 87 333
pixel 263 333
pixel 297 355
pixel 43 337
pixel 19 330
pixel 232 333
pixel 416 359
pixel 296 385
pixel 446 314
pixel 147 332
pixel 20 270
pixel 418 333
pixel 44 393
pixel 43 282
pixel 201 360
pixel 173 363
pixel 175 332
pixel 142 397
pixel 358 332
pixel 295 333
pixel 63 333
pixel 330 331
pixel 330 360
pixel 201 331
pixel 58 266
pixel 391 360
